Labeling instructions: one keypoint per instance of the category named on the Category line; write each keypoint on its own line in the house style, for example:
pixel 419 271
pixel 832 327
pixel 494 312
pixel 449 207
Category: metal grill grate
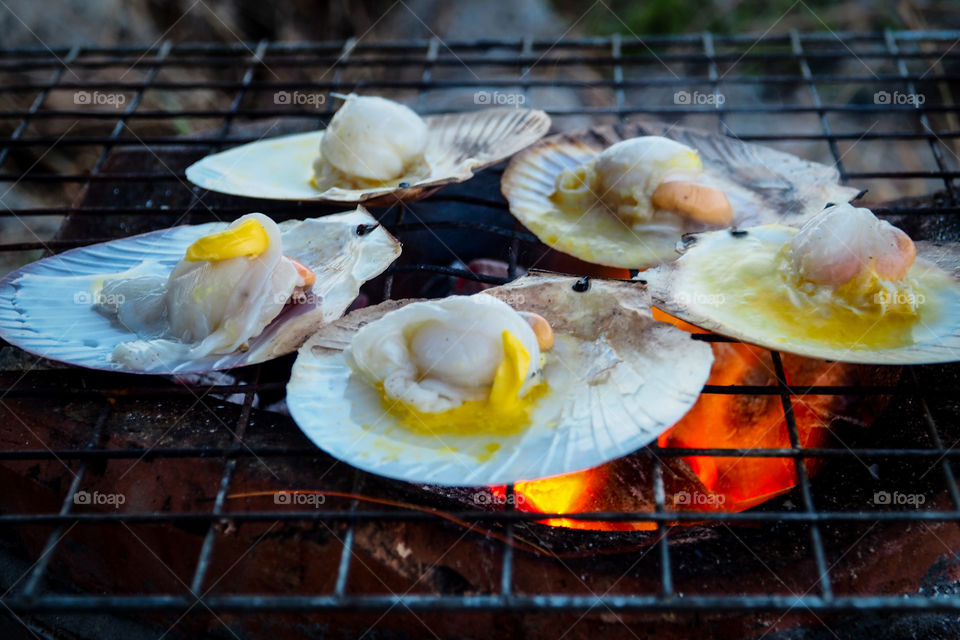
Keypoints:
pixel 810 93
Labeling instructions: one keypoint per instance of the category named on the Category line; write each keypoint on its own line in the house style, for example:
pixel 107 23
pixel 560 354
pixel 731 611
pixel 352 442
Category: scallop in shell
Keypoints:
pixel 57 307
pixel 754 285
pixel 453 147
pixel 612 381
pixel 761 184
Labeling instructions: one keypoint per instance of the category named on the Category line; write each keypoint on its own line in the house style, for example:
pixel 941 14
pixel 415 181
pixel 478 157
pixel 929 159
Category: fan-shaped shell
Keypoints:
pixel 47 308
pixel 617 379
pixel 762 184
pixel 458 145
pixel 686 289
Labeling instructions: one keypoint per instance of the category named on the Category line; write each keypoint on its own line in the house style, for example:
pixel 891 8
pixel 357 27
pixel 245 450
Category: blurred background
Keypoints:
pixel 48 29
pixel 110 22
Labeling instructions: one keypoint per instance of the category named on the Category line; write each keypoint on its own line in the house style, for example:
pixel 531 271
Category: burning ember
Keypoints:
pixel 571 493
pixel 709 483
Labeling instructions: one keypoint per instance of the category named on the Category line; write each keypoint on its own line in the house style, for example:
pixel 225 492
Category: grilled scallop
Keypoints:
pixel 623 196
pixel 374 151
pixel 540 377
pixel 846 286
pixel 194 298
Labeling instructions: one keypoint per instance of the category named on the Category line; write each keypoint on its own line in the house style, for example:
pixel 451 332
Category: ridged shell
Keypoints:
pixel 617 380
pixel 679 288
pixel 46 307
pixel 458 145
pixel 762 184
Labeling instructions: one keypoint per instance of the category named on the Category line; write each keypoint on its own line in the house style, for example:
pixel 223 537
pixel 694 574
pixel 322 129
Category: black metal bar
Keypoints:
pixel 842 40
pixel 948 474
pixel 719 99
pixel 528 55
pixel 212 141
pixel 506 562
pixel 803 480
pixel 545 602
pixel 35 577
pixel 515 233
pixel 310 452
pixel 663 544
pixel 348 46
pixel 346 554
pixel 669 517
pixel 433 49
pixel 553 111
pixel 180 177
pixel 924 121
pixel 388 281
pixel 815 95
pixel 55 79
pixel 618 81
pixel 131 108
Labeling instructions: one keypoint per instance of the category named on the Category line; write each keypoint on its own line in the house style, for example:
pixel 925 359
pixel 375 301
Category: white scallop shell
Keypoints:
pixel 679 288
pixel 617 380
pixel 47 308
pixel 762 184
pixel 457 146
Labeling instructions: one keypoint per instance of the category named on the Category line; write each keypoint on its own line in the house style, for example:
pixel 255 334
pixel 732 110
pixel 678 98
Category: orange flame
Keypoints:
pixel 715 421
pixel 582 492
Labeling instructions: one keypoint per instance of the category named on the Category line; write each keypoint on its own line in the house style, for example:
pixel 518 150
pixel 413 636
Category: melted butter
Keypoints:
pixel 759 288
pixel 511 373
pixel 488 451
pixel 473 417
pixel 248 239
pixel 503 412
